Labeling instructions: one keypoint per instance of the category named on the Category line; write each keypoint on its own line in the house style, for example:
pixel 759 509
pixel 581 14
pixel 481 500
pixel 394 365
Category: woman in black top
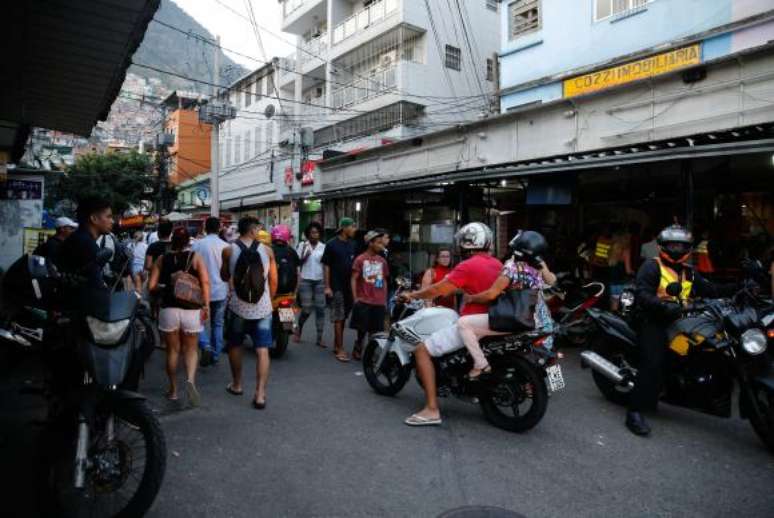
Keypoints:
pixel 180 327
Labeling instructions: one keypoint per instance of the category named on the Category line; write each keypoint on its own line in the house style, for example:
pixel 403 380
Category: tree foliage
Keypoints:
pixel 123 178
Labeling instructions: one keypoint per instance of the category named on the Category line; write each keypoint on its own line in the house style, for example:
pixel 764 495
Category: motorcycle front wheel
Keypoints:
pixel 392 377
pixel 516 398
pixel 763 423
pixel 126 464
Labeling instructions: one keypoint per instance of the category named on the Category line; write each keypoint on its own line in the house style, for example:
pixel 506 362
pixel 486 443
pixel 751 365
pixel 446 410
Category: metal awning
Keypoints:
pixel 739 141
pixel 64 62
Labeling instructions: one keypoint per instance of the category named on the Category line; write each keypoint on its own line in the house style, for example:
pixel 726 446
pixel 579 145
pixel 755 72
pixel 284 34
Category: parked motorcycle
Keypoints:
pixel 568 301
pixel 716 344
pixel 513 397
pixel 283 320
pixel 102 451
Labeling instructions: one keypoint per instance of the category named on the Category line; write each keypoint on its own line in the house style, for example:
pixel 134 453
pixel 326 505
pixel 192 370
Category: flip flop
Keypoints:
pixel 259 406
pixel 193 394
pixel 234 392
pixel 418 420
pixel 321 345
pixel 342 356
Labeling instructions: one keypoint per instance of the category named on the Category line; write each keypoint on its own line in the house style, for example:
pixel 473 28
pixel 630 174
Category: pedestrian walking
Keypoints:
pixel 311 289
pixel 250 269
pixel 210 249
pixel 337 260
pixel 139 249
pixel 369 277
pixel 179 325
pixel 155 250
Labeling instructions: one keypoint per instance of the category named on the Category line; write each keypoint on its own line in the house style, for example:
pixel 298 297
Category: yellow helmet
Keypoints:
pixel 264 237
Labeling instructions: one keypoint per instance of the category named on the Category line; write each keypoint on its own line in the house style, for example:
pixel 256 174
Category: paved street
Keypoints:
pixel 328 446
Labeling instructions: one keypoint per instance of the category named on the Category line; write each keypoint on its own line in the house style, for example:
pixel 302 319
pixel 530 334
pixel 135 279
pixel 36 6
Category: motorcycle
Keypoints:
pixel 514 396
pixel 283 321
pixel 716 344
pixel 568 301
pixel 102 451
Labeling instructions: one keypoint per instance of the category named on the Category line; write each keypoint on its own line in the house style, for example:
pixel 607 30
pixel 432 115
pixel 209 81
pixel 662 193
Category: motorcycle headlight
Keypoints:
pixel 107 333
pixel 627 298
pixel 754 342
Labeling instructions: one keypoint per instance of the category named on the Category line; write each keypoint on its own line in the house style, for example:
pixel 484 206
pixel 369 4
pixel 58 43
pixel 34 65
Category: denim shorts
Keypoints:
pixel 237 328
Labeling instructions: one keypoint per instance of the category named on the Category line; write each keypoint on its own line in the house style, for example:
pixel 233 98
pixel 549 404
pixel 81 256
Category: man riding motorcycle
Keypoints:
pixel 657 310
pixel 473 275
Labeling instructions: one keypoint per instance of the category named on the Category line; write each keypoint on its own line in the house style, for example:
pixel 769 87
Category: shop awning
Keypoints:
pixel 64 62
pixel 739 141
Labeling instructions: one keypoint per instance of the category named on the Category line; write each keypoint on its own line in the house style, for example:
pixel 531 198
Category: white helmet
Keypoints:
pixel 474 236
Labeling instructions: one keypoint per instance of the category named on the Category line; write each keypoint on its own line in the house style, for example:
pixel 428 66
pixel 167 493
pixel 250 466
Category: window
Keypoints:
pixel 606 8
pixel 248 94
pixel 237 149
pixel 259 88
pixel 492 5
pixel 523 17
pixel 248 143
pixel 258 147
pixel 490 69
pixel 453 58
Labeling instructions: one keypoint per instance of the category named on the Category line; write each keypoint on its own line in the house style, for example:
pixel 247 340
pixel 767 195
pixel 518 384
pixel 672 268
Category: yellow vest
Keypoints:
pixel 602 251
pixel 668 276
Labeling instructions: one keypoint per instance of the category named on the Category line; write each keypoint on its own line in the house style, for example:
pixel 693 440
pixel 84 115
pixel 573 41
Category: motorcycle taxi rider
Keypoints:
pixel 657 310
pixel 473 275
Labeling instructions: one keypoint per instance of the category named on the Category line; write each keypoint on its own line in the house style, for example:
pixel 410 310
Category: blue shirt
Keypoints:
pixel 211 251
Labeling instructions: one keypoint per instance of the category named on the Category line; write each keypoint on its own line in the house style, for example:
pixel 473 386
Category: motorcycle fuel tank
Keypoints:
pixel 426 321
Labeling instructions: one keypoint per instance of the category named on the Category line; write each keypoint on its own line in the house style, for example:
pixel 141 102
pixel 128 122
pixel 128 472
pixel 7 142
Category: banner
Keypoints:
pixel 34 237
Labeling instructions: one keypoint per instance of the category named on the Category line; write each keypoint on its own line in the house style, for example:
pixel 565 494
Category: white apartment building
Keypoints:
pixel 367 72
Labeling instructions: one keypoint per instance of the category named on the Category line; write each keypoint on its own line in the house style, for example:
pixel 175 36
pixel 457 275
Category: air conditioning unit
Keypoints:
pixel 389 58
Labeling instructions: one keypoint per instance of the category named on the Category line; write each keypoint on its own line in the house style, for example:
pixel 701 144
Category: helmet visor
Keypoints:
pixel 676 250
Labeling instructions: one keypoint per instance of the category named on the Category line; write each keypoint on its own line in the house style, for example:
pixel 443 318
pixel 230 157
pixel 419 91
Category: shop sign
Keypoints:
pixel 21 190
pixel 307 172
pixel 289 176
pixel 648 67
pixel 132 221
pixel 34 237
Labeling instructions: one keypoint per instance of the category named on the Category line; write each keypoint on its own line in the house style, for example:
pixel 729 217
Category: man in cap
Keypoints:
pixel 52 248
pixel 337 261
pixel 369 290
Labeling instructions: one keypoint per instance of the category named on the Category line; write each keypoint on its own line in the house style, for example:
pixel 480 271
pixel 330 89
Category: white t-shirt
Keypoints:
pixel 210 249
pixel 312 268
pixel 138 255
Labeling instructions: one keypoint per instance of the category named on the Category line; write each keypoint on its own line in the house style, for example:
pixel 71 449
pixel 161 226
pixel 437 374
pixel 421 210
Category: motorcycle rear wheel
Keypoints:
pixel 280 344
pixel 394 374
pixel 764 424
pixel 526 383
pixel 60 498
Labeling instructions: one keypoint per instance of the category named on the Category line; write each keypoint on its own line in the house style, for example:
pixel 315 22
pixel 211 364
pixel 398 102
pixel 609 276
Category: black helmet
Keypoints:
pixel 675 243
pixel 529 246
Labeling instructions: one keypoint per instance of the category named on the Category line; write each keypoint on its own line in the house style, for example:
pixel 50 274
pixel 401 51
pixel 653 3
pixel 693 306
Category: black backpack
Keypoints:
pixel 249 278
pixel 287 268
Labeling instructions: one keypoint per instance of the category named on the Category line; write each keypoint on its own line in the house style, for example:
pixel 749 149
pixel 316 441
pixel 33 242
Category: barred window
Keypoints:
pixel 453 58
pixel 492 5
pixel 523 17
pixel 606 8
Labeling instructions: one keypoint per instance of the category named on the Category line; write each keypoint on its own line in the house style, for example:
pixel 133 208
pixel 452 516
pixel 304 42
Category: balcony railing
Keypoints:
pixel 289 6
pixel 287 67
pixel 375 84
pixel 314 49
pixel 361 20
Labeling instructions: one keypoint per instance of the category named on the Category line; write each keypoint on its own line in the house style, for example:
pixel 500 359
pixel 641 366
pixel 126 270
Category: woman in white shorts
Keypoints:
pixel 180 327
pixel 139 248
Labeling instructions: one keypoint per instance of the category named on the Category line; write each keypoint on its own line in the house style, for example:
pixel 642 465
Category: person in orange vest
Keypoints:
pixel 600 257
pixel 702 256
pixel 657 310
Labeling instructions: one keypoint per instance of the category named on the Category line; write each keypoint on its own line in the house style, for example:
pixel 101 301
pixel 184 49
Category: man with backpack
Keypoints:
pixel 287 260
pixel 251 271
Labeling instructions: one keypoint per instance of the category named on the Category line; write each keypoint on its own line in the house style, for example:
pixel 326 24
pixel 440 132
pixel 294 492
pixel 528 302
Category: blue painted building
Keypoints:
pixel 545 42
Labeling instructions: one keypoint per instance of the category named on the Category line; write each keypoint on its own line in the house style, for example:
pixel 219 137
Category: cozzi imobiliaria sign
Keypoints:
pixel 634 71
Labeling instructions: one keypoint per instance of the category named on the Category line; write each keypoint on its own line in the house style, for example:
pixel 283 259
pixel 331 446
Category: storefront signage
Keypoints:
pixel 289 176
pixel 21 190
pixel 634 71
pixel 34 237
pixel 307 172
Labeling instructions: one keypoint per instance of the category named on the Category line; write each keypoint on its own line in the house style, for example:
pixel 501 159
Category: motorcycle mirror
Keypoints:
pixel 103 256
pixel 674 289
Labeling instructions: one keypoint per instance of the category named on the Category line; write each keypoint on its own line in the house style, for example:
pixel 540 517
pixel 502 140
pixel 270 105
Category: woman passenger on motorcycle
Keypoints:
pixel 179 326
pixel 526 270
pixel 441 267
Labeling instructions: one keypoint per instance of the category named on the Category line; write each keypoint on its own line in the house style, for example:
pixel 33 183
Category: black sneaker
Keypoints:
pixel 637 424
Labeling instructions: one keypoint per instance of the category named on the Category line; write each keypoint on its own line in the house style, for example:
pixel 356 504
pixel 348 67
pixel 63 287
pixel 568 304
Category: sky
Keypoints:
pixel 236 32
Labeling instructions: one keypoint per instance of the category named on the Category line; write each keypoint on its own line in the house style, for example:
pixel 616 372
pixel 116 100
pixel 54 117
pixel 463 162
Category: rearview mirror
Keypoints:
pixel 674 289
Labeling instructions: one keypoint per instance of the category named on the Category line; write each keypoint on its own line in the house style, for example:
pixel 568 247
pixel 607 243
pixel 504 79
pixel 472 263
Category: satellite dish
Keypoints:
pixel 269 111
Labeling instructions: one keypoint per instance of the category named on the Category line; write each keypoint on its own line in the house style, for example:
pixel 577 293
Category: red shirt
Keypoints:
pixel 473 276
pixel 439 272
pixel 371 284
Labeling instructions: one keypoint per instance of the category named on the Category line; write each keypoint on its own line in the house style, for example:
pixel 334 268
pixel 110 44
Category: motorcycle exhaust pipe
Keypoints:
pixel 605 367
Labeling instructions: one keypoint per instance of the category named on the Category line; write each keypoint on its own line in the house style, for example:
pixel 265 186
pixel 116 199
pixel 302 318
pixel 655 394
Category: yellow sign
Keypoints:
pixel 636 70
pixel 34 237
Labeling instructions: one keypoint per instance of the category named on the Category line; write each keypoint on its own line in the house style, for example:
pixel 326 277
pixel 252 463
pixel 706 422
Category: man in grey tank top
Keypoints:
pixel 249 319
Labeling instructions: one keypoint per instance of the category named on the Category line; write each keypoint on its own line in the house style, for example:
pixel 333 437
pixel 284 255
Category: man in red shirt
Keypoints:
pixel 475 274
pixel 369 291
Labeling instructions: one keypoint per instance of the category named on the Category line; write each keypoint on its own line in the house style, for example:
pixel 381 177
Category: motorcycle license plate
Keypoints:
pixel 555 378
pixel 286 315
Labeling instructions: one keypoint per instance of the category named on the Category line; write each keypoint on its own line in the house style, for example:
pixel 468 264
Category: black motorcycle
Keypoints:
pixel 102 451
pixel 514 396
pixel 716 344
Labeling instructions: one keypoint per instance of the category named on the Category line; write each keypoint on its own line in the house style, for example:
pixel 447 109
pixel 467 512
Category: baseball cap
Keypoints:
pixel 345 222
pixel 65 222
pixel 372 234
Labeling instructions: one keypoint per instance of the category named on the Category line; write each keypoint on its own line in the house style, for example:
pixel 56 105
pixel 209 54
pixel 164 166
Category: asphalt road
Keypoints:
pixel 328 446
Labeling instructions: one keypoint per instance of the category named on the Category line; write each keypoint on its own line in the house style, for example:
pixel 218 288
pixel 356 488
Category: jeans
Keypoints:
pixel 211 336
pixel 312 295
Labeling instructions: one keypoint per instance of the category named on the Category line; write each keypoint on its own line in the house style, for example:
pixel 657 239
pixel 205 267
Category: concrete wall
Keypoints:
pixel 191 152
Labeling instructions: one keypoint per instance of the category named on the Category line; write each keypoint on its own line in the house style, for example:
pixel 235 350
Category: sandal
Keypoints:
pixel 342 356
pixel 193 394
pixel 259 406
pixel 321 345
pixel 357 353
pixel 418 420
pixel 234 392
pixel 472 377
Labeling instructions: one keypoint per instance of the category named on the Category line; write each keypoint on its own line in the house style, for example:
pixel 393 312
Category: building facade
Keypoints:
pixel 189 155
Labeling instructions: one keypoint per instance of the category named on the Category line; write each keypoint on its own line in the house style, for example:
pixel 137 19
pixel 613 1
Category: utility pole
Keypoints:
pixel 215 140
